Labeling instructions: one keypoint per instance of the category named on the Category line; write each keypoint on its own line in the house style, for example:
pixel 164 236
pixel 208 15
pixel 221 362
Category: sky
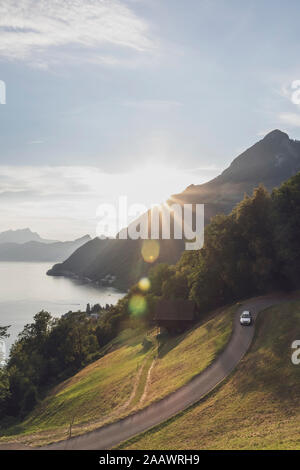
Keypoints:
pixel 134 97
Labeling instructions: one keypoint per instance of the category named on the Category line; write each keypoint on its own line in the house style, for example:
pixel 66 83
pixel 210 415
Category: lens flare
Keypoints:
pixel 144 284
pixel 150 250
pixel 137 305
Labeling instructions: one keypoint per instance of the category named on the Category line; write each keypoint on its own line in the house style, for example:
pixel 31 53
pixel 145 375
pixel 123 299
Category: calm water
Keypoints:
pixel 25 290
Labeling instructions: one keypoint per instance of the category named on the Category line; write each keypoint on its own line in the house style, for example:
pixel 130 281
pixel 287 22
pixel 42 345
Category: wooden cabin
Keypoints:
pixel 175 315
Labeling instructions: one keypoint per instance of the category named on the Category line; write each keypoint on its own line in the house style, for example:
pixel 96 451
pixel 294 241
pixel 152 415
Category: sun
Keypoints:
pixel 154 183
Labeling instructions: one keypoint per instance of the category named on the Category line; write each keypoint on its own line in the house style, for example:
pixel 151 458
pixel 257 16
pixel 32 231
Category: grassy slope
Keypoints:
pixel 182 357
pixel 103 391
pixel 89 396
pixel 257 407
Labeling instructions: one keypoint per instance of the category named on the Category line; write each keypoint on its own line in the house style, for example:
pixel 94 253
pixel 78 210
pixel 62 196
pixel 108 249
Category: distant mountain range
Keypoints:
pixel 270 161
pixel 22 236
pixel 25 245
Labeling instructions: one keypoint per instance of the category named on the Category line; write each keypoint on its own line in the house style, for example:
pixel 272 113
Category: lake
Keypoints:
pixel 25 289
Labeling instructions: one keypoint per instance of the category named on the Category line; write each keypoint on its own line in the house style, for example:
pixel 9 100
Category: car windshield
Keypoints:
pixel 246 314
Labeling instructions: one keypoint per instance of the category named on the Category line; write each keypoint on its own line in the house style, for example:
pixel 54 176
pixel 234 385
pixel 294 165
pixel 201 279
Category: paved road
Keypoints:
pixel 112 434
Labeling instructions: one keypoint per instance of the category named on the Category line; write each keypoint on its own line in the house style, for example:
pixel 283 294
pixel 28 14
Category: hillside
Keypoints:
pixel 257 407
pixel 117 383
pixel 121 258
pixel 40 251
pixel 270 161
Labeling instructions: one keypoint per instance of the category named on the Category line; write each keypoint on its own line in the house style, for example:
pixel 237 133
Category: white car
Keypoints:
pixel 245 318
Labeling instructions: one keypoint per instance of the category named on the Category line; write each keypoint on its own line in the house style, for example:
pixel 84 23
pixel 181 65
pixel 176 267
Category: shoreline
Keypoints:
pixel 110 282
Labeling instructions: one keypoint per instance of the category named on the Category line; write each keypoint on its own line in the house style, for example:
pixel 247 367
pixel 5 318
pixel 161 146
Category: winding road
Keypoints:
pixel 110 435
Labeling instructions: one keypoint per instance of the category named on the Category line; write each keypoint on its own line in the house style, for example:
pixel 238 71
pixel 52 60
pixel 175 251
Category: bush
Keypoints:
pixel 30 400
pixel 147 343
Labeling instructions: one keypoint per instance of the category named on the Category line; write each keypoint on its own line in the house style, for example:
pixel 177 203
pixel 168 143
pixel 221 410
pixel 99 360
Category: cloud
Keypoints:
pixel 291 90
pixel 95 29
pixel 61 202
pixel 292 119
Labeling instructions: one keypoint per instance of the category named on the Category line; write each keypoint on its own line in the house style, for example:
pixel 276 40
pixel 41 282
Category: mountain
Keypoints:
pixel 113 261
pixel 270 161
pixel 22 236
pixel 39 251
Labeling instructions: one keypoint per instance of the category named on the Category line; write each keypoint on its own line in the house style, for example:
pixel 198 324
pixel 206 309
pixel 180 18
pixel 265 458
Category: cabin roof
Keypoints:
pixel 178 310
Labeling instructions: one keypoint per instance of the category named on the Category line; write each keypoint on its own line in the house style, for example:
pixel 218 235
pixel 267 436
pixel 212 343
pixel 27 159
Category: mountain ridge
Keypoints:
pixel 269 161
pixel 39 251
pixel 23 235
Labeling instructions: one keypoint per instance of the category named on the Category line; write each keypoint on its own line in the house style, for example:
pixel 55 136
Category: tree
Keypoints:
pixel 286 214
pixel 3 332
pixel 30 400
pixel 238 258
pixel 176 287
pixel 157 275
pixel 4 391
pixel 256 228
